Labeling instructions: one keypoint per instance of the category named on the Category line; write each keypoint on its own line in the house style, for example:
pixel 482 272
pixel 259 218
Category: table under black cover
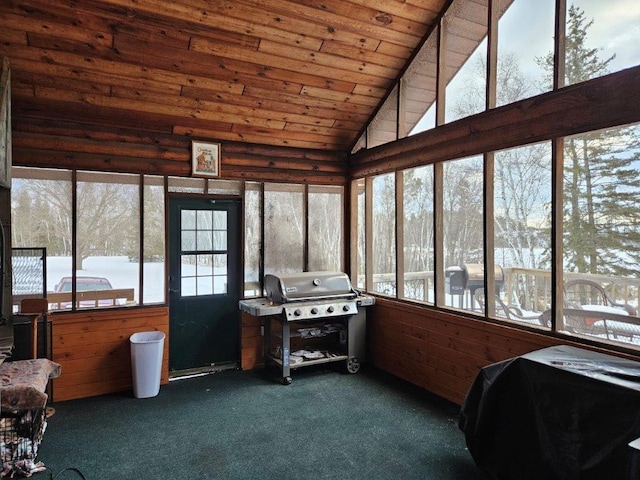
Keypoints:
pixel 557 413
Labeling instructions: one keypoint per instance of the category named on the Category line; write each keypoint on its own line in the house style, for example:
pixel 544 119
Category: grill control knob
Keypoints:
pixel 345 308
pixel 330 309
pixel 314 311
pixel 297 312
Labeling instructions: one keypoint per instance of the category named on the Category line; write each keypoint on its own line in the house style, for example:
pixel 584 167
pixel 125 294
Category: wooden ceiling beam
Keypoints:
pixel 604 102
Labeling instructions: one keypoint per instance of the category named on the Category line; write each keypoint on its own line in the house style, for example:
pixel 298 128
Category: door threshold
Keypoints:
pixel 201 371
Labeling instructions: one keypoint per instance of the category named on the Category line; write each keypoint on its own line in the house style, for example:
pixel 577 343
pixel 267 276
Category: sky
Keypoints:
pixel 528 27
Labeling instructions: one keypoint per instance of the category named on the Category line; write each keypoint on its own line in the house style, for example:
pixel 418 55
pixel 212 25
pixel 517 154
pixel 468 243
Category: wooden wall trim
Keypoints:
pixel 604 102
pixel 93 349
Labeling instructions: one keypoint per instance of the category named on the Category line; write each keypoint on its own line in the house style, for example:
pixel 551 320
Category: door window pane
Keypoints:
pixel 202 260
pixel 188 285
pixel 205 285
pixel 204 240
pixel 188 219
pixel 204 220
pixel 220 240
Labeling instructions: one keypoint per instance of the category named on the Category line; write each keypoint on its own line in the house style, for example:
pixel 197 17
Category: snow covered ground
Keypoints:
pixel 118 270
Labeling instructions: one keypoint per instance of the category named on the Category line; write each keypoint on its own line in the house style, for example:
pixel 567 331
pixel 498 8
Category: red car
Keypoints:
pixel 83 284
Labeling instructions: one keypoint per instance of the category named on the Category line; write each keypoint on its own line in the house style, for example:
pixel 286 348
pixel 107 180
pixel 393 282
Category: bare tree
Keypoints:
pixel 462 212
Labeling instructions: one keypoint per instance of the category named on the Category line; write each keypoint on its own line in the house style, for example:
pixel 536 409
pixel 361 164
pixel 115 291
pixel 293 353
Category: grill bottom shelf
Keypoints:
pixel 306 363
pixel 352 364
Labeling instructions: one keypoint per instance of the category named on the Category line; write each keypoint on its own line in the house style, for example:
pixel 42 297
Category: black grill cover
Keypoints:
pixel 557 413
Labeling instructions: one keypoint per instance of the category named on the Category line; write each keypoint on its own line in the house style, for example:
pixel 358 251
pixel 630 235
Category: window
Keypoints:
pixel 522 232
pixel 463 223
pixel 107 241
pixel 507 223
pixel 252 238
pixel 303 230
pixel 358 187
pixel 602 37
pixel 383 127
pixel 325 213
pixel 525 38
pixel 283 212
pixel 384 236
pixel 108 231
pixel 418 93
pixel 601 248
pixel 41 212
pixel 418 231
pixel 153 240
pixel 465 52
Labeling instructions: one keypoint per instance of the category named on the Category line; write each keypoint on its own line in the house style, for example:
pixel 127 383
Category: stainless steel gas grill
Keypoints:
pixel 320 318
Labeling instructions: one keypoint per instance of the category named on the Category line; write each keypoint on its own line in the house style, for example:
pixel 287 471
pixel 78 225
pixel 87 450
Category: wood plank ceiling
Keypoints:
pixel 303 73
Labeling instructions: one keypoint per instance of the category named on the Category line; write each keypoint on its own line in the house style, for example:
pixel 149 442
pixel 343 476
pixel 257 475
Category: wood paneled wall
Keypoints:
pixel 440 351
pixel 252 342
pixel 45 143
pixel 93 349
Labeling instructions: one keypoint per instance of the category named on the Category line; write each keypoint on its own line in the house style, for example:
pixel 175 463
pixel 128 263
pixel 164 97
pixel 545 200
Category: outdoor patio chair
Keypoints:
pixel 580 292
pixel 506 311
pixel 590 310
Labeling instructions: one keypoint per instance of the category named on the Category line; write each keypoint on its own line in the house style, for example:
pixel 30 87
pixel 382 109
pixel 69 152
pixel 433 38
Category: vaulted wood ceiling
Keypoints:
pixel 303 73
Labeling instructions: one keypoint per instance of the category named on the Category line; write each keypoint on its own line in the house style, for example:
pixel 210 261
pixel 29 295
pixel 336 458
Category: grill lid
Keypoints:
pixel 307 286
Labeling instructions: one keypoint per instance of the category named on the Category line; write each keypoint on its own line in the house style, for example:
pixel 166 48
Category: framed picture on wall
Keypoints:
pixel 205 159
pixel 5 125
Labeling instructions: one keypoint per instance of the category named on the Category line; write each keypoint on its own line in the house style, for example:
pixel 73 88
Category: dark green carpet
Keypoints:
pixel 243 425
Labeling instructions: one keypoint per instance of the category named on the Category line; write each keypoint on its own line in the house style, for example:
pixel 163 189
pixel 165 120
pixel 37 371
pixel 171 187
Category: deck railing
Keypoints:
pixel 85 299
pixel 527 288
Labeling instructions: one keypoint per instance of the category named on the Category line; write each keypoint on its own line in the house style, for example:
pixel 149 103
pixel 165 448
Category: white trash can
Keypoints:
pixel 146 363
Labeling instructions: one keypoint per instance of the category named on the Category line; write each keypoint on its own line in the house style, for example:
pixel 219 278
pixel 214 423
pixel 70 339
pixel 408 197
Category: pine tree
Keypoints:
pixel 601 181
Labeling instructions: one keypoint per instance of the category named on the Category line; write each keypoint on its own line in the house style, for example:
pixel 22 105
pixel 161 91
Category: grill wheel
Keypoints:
pixel 353 365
